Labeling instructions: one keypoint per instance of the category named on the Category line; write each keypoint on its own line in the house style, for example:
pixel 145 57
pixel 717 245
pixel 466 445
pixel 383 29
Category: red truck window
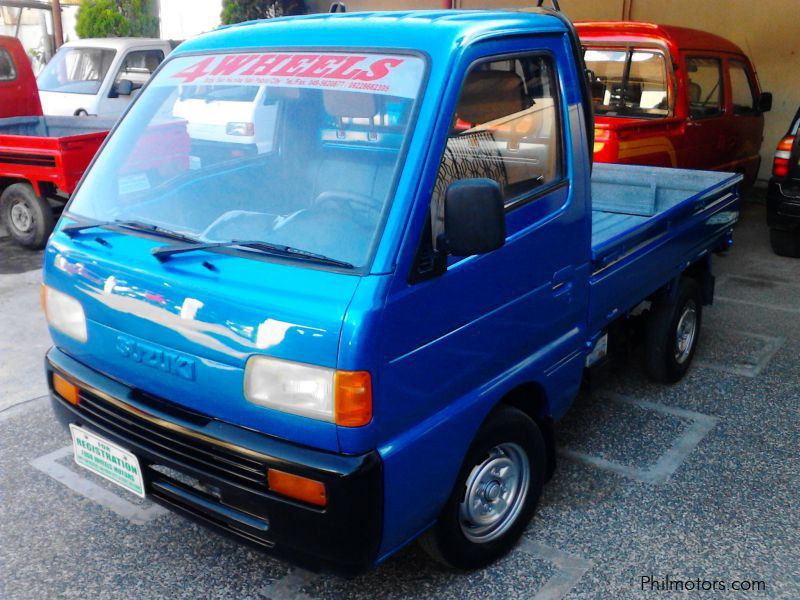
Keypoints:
pixel 628 82
pixel 705 87
pixel 744 100
pixel 7 70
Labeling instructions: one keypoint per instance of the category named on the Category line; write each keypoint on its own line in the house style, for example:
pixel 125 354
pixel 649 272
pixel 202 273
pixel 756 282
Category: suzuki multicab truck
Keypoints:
pixel 363 333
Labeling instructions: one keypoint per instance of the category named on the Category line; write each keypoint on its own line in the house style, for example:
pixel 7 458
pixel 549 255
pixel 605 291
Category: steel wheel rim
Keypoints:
pixel 21 217
pixel 495 493
pixel 686 332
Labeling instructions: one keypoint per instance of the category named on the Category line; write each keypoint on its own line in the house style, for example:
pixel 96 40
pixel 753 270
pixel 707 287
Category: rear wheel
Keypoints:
pixel 672 332
pixel 785 243
pixel 29 219
pixel 495 495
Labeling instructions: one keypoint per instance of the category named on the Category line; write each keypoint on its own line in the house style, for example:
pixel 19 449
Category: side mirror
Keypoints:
pixel 765 102
pixel 123 88
pixel 474 217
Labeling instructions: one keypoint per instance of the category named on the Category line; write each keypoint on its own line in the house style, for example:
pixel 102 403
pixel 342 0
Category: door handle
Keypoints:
pixel 562 281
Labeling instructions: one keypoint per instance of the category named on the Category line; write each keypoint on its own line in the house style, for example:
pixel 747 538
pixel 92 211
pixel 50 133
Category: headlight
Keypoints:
pixel 64 313
pixel 341 397
pixel 290 387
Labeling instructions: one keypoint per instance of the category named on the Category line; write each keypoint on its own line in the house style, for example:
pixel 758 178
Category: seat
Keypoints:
pixel 487 96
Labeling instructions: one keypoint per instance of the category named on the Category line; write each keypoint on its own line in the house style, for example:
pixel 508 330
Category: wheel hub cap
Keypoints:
pixel 495 493
pixel 685 333
pixel 21 217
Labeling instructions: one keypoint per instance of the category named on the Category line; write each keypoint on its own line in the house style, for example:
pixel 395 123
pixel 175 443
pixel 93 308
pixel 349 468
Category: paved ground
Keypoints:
pixel 696 481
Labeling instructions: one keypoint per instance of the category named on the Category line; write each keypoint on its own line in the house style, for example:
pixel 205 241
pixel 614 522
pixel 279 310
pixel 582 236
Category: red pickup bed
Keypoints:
pixel 41 161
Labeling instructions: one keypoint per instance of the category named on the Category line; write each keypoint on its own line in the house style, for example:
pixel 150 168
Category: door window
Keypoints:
pixel 705 87
pixel 7 70
pixel 505 128
pixel 138 66
pixel 742 96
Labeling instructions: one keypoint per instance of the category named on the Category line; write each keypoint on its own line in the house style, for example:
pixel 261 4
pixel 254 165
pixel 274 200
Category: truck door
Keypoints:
pixel 706 142
pixel 525 303
pixel 747 123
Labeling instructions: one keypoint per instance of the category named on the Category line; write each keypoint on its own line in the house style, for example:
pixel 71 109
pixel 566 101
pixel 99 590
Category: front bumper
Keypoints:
pixel 215 473
pixel 783 205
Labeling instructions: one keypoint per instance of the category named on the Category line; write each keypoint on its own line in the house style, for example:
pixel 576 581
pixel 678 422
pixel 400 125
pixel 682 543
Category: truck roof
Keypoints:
pixel 683 38
pixel 120 43
pixel 434 32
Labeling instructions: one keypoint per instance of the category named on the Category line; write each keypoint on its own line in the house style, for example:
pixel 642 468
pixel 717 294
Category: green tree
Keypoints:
pixel 116 18
pixel 236 11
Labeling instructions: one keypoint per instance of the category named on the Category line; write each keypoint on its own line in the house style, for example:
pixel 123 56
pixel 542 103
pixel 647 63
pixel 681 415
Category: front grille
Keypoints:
pixel 183 449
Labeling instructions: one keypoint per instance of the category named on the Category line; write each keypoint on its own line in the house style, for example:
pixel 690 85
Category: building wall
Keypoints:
pixel 766 30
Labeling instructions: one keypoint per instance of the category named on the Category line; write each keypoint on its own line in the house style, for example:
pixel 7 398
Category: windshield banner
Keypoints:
pixel 372 73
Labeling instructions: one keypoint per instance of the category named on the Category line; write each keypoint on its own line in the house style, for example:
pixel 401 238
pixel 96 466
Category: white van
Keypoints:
pixel 98 76
pixel 243 116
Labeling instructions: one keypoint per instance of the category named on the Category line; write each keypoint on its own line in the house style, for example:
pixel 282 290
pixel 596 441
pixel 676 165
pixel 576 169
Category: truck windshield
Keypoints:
pixel 76 70
pixel 628 82
pixel 289 149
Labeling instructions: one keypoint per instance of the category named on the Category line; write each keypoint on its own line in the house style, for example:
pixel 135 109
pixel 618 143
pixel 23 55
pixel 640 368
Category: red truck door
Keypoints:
pixel 706 143
pixel 746 122
pixel 19 95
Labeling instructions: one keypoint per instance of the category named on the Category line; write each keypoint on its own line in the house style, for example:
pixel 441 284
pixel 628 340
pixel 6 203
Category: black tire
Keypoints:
pixel 785 243
pixel 28 218
pixel 447 541
pixel 668 358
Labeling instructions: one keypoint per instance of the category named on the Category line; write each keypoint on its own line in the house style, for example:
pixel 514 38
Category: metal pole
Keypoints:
pixel 58 30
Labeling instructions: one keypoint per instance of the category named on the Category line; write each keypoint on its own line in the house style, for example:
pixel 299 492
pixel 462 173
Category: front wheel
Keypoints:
pixel 495 495
pixel 28 217
pixel 673 329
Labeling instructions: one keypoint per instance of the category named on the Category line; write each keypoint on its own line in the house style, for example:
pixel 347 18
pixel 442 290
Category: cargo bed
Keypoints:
pixel 646 223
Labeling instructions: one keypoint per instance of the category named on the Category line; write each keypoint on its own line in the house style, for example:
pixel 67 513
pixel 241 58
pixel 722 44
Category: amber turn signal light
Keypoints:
pixel 67 390
pixel 353 398
pixel 297 487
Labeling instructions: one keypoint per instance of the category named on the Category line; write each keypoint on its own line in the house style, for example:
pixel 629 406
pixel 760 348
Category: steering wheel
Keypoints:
pixel 360 207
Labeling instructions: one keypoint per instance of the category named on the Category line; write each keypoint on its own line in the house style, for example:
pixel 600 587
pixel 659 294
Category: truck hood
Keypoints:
pixel 183 330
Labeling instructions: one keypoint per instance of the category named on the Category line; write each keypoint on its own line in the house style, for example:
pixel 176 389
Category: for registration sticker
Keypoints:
pixel 107 460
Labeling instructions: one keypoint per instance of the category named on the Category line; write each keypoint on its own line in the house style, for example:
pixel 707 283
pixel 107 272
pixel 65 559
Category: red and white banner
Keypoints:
pixel 357 72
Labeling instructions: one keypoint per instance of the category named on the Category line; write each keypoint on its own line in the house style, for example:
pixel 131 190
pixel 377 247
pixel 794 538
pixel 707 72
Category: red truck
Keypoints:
pixel 674 97
pixel 41 158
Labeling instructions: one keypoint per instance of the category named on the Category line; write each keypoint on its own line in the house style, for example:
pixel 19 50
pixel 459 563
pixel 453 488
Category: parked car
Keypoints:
pixel 366 334
pixel 673 96
pixel 783 194
pixel 18 93
pixel 41 158
pixel 100 76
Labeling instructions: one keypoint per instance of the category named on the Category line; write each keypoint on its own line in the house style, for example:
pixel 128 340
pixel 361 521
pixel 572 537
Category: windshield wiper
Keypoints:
pixel 164 252
pixel 74 228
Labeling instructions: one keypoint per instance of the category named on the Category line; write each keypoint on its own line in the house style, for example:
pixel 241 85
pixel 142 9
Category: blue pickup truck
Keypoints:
pixel 361 331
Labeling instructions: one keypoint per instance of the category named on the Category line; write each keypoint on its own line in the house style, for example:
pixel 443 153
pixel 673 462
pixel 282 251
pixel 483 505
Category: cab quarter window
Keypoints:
pixel 744 101
pixel 505 128
pixel 705 87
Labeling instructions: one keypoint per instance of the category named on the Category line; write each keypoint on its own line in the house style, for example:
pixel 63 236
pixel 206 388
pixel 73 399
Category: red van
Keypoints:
pixel 674 97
